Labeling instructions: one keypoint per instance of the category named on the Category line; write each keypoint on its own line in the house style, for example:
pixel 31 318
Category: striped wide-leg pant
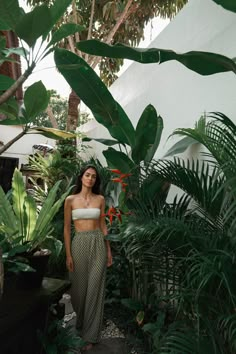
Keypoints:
pixel 88 282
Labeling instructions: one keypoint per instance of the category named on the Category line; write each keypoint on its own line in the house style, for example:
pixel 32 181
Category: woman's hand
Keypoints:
pixel 69 264
pixel 109 259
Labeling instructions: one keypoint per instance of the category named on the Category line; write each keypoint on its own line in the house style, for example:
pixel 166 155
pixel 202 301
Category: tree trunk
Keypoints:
pixel 51 117
pixel 11 142
pixel 73 112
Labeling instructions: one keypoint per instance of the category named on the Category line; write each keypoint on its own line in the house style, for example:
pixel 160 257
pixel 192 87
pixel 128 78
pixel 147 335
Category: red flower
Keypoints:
pixel 115 212
pixel 121 178
pixel 117 172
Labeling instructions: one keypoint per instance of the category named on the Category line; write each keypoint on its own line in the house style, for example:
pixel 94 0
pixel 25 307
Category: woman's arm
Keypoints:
pixel 104 231
pixel 67 234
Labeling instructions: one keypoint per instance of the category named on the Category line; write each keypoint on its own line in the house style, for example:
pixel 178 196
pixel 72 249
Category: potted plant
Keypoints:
pixel 27 228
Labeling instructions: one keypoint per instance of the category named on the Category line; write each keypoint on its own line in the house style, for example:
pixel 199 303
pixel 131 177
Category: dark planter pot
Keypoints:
pixel 29 280
pixel 1 274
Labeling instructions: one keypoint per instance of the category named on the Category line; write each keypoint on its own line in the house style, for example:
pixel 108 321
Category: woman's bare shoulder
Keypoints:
pixel 70 198
pixel 101 197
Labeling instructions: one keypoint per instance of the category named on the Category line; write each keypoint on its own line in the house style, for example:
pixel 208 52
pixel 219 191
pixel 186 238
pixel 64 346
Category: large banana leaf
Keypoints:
pixel 119 160
pixel 227 4
pixel 145 134
pixel 204 63
pixel 89 87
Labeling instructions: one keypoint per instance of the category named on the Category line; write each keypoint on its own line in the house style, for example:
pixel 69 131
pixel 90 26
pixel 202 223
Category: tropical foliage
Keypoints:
pixel 111 22
pixel 26 226
pixel 182 254
pixel 30 31
pixel 204 63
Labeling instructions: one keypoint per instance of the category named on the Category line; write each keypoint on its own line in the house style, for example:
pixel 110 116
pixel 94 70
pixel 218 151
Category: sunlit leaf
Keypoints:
pixel 52 133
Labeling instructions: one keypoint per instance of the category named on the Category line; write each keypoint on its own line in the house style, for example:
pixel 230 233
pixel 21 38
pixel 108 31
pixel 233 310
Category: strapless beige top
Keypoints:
pixel 85 213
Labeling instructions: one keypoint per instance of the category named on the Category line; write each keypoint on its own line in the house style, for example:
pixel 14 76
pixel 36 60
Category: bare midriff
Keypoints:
pixel 86 225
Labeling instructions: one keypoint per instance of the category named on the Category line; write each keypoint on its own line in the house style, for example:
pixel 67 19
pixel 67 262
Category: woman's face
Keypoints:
pixel 89 178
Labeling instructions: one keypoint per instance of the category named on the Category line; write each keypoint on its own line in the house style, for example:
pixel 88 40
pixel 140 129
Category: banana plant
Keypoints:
pixel 26 226
pixel 137 146
pixel 204 63
pixel 142 142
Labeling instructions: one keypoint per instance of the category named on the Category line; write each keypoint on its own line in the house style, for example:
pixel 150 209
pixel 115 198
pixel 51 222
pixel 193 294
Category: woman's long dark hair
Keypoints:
pixel 95 188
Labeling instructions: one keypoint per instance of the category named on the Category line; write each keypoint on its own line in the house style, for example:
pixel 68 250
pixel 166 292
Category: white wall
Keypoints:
pixel 24 146
pixel 180 95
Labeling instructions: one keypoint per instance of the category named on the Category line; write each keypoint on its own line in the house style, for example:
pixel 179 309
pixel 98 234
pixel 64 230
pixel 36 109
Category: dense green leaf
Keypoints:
pixel 119 160
pixel 145 133
pixel 227 4
pixel 204 63
pixel 5 82
pixel 10 14
pixel 36 100
pixel 153 148
pixel 64 31
pixel 34 24
pixel 89 87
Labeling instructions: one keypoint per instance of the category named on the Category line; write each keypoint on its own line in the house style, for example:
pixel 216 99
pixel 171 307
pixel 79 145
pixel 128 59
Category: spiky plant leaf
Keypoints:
pixel 8 220
pixel 18 201
pixel 31 212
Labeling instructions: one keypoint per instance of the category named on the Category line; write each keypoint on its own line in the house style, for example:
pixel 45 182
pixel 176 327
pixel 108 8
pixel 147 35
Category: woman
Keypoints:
pixel 88 254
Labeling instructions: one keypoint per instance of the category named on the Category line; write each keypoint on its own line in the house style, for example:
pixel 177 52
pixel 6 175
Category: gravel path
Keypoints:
pixel 114 336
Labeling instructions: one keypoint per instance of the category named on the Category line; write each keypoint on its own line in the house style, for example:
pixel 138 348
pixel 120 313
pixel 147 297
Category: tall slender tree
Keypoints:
pixel 110 21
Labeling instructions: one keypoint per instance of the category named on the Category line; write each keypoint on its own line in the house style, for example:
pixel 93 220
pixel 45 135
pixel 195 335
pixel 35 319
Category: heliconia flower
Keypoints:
pixel 112 212
pixel 121 178
pixel 125 175
pixel 124 185
pixel 117 171
pixel 118 180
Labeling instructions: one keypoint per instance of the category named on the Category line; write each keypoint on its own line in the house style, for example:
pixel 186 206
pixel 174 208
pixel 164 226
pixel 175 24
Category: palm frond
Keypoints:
pixel 195 178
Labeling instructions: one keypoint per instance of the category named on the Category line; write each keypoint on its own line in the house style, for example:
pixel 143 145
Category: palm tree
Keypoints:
pixel 183 253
